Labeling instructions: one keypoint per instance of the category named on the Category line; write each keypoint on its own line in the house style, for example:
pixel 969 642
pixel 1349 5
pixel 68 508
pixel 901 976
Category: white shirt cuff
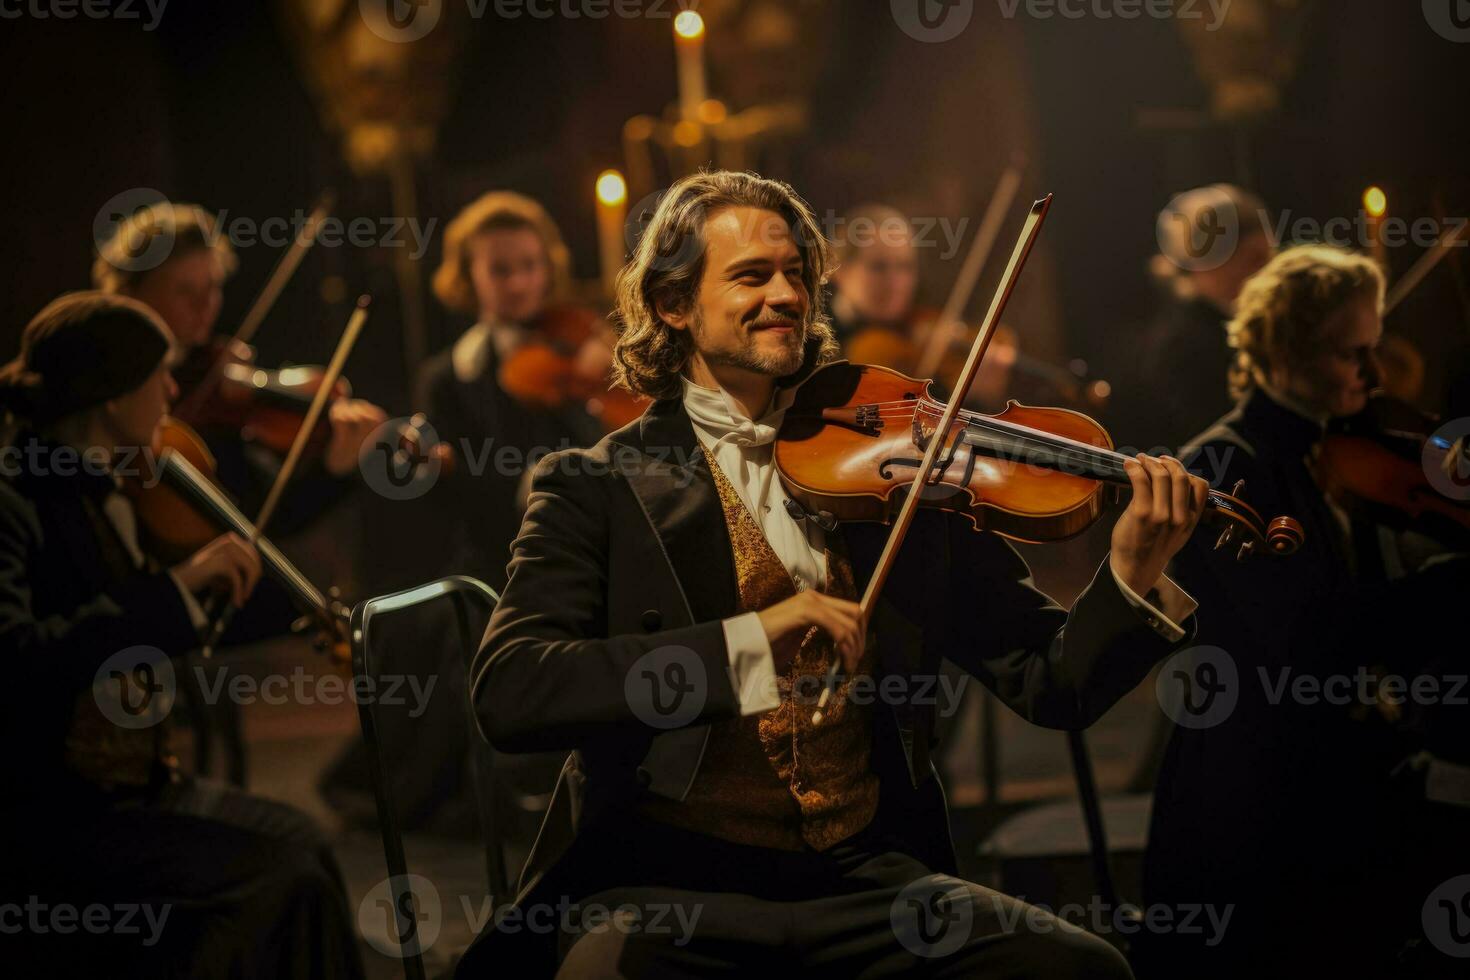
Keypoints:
pixel 752 669
pixel 1177 605
pixel 196 611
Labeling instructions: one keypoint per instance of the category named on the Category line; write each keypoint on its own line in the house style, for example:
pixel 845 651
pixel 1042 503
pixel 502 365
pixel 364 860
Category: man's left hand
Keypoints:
pixel 1167 504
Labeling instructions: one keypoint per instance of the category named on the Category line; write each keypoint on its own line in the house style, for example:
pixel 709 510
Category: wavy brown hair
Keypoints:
pixel 667 266
pixel 1283 308
pixel 495 211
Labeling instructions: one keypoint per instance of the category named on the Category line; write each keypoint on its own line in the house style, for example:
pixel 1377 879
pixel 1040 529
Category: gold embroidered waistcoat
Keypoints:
pixel 774 779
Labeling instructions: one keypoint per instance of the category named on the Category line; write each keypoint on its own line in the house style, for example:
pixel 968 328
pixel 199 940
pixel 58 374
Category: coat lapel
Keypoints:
pixel 673 483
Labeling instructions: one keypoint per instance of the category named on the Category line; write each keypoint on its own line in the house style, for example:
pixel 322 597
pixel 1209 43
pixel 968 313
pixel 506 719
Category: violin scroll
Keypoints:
pixel 1281 536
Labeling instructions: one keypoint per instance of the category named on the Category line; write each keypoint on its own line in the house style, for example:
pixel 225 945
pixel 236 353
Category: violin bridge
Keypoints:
pixel 862 418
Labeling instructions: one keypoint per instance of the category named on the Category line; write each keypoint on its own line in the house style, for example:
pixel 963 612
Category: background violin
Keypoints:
pixel 1378 462
pixel 565 361
pixel 222 387
pixel 180 509
pixel 1006 371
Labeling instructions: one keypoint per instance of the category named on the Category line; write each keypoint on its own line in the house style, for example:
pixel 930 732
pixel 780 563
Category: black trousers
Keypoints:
pixel 689 905
pixel 198 880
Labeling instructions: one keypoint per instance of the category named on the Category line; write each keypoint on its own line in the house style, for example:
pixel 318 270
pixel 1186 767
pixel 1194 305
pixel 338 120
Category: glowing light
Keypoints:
pixel 712 112
pixel 688 134
pixel 611 188
pixel 1375 202
pixel 689 25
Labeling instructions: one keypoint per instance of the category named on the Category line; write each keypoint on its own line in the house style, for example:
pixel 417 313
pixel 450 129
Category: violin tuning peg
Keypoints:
pixel 1237 490
pixel 300 624
pixel 1245 551
pixel 1225 537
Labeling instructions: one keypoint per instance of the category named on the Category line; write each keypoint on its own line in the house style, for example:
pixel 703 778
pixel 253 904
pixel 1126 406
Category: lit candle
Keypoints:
pixel 1375 205
pixel 612 212
pixel 689 47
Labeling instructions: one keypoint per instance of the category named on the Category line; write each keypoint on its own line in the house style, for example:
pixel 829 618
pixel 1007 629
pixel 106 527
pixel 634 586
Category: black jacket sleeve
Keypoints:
pixel 1053 668
pixel 52 652
pixel 545 677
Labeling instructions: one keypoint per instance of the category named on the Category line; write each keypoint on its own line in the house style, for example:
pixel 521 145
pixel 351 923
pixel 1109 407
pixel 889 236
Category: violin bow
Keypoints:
pixel 260 307
pixel 1426 263
pixel 220 621
pixel 910 506
pixel 950 322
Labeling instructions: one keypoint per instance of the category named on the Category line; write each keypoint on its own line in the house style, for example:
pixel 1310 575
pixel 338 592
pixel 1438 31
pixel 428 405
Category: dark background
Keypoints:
pixel 211 107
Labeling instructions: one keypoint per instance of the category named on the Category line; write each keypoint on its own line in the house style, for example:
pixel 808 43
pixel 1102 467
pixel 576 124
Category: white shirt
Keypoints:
pixel 742 447
pixel 470 352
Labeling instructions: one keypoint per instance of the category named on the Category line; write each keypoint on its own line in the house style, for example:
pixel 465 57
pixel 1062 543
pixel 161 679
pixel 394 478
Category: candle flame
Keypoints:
pixel 689 25
pixel 1375 202
pixel 611 188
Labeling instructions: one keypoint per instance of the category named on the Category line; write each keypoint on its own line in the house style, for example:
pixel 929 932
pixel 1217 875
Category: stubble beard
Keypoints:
pixel 748 357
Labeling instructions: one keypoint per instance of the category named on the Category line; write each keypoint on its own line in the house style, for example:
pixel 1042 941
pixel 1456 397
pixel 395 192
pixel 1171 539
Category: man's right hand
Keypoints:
pixel 838 618
pixel 228 563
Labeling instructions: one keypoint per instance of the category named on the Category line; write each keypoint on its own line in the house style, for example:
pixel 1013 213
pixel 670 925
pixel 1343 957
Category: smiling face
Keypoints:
pixel 749 314
pixel 1336 380
pixel 510 272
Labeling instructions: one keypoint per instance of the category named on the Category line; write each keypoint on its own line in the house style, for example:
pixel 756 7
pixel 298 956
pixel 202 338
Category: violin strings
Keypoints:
pixel 1105 460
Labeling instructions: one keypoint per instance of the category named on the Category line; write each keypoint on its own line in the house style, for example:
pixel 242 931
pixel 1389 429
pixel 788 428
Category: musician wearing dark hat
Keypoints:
pixel 91 629
pixel 730 828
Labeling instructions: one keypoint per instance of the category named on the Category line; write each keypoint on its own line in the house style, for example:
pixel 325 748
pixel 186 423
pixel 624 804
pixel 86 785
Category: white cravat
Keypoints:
pixel 741 447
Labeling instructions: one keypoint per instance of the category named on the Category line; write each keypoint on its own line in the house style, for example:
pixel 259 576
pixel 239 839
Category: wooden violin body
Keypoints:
pixel 1379 462
pixel 180 510
pixel 222 388
pixel 565 361
pixel 853 440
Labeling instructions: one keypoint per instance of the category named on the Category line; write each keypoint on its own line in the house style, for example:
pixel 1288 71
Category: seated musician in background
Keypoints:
pixel 186 290
pixel 506 265
pixel 875 285
pixel 95 812
pixel 1275 804
pixel 1175 386
pixel 668 552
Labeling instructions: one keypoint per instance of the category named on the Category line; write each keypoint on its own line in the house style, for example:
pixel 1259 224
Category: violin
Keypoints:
pixel 856 436
pixel 565 362
pixel 1379 462
pixel 180 509
pixel 223 388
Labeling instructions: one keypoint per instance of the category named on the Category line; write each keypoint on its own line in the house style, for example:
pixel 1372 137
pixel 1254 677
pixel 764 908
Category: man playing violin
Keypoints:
pixel 230 884
pixel 668 619
pixel 186 289
pixel 1275 797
